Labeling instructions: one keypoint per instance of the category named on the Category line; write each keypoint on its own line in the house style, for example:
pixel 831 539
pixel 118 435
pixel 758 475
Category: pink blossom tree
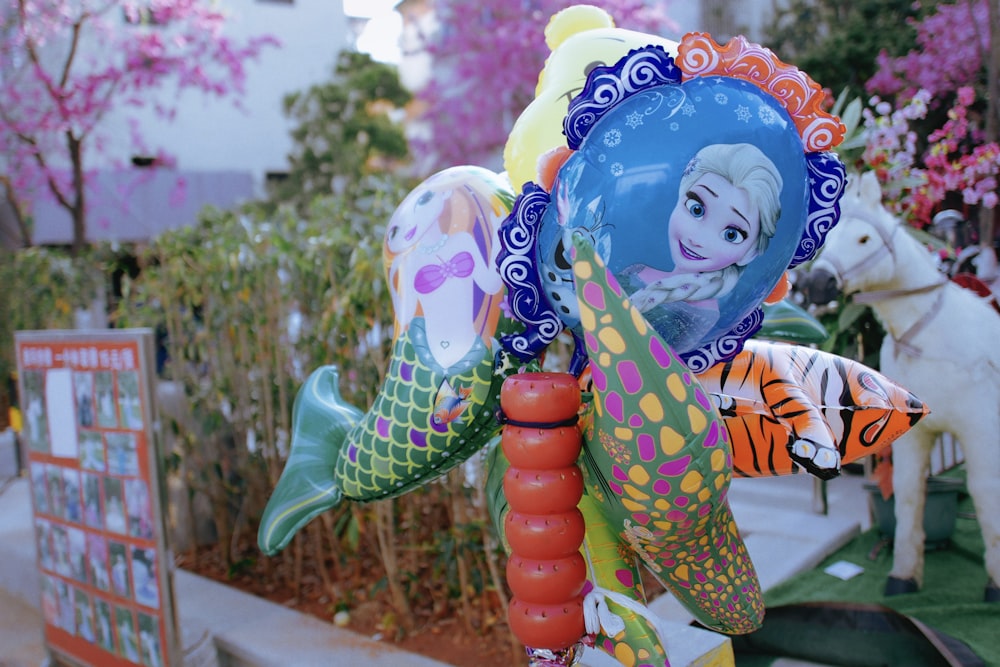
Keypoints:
pixel 487 56
pixel 65 65
pixel 952 47
pixel 953 70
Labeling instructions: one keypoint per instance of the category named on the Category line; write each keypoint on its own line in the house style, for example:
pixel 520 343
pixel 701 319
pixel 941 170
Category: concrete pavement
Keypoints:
pixel 778 518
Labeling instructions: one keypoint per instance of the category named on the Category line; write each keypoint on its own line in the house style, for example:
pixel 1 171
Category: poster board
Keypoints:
pixel 97 491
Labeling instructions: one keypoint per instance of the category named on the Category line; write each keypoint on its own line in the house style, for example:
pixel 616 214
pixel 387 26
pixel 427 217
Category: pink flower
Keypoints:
pixel 966 95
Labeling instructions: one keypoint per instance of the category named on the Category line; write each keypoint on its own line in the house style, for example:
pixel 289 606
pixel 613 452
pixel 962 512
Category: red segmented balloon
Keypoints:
pixel 544 528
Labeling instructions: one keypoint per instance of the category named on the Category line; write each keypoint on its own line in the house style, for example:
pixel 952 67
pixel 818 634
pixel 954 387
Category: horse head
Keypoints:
pixel 862 253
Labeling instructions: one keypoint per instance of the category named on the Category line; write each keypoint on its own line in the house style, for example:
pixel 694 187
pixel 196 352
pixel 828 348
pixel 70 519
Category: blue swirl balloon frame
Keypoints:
pixel 633 130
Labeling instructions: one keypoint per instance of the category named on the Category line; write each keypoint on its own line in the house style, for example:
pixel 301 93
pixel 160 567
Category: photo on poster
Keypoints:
pixel 97 562
pixel 140 512
pixel 77 554
pixel 71 490
pixel 123 453
pixel 66 620
pixel 61 551
pixel 39 489
pixel 129 400
pixel 50 600
pixel 60 408
pixel 92 451
pixel 83 383
pixel 93 514
pixel 128 643
pixel 102 625
pixel 43 543
pixel 84 616
pixel 104 390
pixel 36 421
pixel 147 585
pixel 114 505
pixel 149 641
pixel 118 557
pixel 57 499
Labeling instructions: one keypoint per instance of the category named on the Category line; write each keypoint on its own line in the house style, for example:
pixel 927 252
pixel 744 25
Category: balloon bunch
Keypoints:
pixel 672 194
pixel 689 180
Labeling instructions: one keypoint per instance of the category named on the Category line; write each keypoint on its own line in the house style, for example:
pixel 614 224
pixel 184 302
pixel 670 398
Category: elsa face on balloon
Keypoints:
pixel 694 196
pixel 723 217
pixel 727 209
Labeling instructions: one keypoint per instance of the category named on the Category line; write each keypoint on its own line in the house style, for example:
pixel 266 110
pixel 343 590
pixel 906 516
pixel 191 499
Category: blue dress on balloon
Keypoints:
pixel 681 324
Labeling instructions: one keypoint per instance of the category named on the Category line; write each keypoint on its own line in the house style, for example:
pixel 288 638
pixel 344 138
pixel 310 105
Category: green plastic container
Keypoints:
pixel 940 510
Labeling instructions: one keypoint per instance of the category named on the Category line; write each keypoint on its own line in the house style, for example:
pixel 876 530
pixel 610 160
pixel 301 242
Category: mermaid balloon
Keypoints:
pixel 439 399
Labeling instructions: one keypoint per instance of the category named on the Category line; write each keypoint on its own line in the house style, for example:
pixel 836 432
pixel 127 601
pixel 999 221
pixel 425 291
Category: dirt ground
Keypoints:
pixel 485 641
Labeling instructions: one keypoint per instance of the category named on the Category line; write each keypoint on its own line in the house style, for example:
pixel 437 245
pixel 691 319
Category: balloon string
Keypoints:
pixel 504 419
pixel 597 615
pixel 567 657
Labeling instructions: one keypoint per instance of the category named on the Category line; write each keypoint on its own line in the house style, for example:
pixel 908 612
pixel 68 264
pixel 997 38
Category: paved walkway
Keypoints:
pixel 779 519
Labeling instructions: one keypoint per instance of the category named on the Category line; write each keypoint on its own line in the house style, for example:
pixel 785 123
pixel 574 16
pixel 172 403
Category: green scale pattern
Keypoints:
pixel 398 445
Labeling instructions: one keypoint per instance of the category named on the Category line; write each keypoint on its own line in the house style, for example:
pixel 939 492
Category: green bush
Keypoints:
pixel 42 288
pixel 248 305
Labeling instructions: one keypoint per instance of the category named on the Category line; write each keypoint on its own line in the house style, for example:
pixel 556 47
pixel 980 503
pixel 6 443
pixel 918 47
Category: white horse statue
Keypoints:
pixel 942 344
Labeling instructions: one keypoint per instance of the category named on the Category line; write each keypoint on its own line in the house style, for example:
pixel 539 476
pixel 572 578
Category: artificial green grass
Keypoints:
pixel 951 600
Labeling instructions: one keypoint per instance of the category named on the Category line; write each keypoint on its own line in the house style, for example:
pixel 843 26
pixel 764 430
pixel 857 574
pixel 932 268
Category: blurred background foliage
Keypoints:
pixel 837 43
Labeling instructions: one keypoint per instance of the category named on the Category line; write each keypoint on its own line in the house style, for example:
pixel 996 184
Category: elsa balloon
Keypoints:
pixel 658 169
pixel 727 209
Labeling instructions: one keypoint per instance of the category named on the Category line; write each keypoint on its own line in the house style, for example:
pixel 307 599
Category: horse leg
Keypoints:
pixel 910 466
pixel 982 470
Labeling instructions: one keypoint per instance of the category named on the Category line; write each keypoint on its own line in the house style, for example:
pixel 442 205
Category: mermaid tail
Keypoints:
pixel 423 423
pixel 658 459
pixel 307 486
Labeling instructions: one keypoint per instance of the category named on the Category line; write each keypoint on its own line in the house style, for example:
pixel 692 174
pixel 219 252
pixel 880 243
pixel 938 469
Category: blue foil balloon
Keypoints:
pixel 697 194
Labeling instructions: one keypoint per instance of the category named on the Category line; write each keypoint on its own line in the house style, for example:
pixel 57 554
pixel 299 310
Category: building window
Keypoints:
pixel 273 179
pixel 140 14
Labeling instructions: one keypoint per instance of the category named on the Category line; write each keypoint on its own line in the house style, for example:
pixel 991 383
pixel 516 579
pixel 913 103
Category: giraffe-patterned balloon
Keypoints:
pixel 658 460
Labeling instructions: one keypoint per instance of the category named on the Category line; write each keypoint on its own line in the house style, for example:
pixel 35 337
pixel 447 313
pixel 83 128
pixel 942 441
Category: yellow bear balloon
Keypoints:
pixel 581 38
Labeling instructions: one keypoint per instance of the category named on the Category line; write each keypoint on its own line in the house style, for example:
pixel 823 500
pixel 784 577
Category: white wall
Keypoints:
pixel 750 16
pixel 209 134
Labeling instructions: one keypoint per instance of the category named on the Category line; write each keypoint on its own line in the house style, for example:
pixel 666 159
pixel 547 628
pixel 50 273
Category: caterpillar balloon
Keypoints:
pixel 671 195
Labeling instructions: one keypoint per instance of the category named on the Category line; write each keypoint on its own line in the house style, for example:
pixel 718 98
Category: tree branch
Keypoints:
pixel 15 206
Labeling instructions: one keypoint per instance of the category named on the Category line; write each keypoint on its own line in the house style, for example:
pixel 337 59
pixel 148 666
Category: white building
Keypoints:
pixel 223 154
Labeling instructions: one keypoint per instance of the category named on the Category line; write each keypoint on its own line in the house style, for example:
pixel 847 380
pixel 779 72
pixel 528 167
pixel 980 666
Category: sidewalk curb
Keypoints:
pixel 782 537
